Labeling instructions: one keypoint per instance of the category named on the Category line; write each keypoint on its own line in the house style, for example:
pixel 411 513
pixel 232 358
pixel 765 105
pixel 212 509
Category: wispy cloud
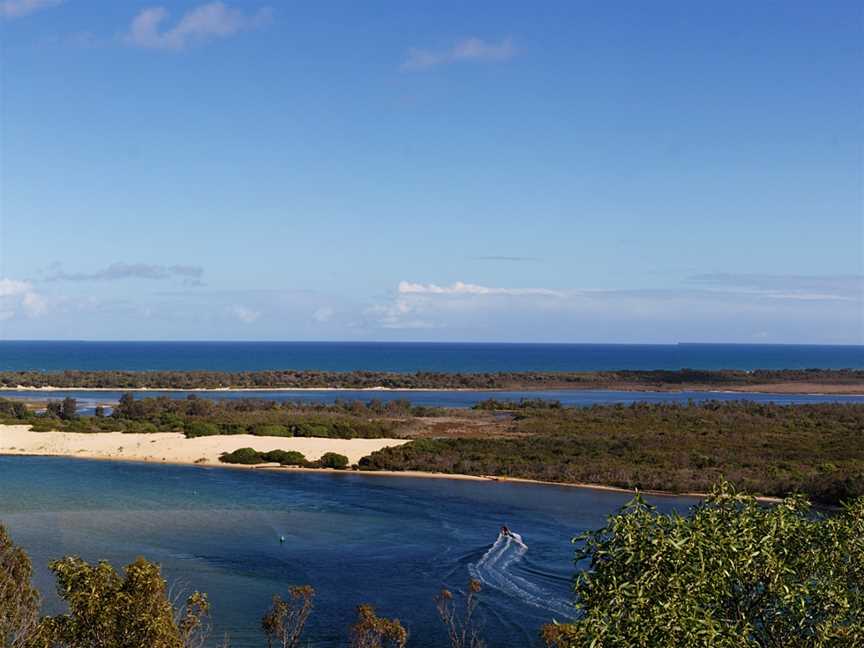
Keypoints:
pixel 206 22
pixel 19 297
pixel 466 50
pixel 20 8
pixel 779 311
pixel 462 288
pixel 801 287
pixel 191 275
pixel 245 315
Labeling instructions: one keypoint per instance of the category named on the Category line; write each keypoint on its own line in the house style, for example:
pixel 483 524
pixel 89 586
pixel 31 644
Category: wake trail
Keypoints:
pixel 495 570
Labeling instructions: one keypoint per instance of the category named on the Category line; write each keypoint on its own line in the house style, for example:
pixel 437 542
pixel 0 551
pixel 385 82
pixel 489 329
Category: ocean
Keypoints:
pixel 393 542
pixel 412 357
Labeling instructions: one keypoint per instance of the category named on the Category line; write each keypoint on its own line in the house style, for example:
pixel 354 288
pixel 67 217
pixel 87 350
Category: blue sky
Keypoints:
pixel 568 171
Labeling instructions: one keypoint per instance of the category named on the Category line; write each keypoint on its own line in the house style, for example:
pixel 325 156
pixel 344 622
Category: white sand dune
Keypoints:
pixel 173 447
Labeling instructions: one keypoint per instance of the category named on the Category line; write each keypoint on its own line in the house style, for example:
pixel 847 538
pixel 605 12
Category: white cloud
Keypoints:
pixel 245 315
pixel 19 297
pixel 19 8
pixel 462 288
pixel 466 50
pixel 400 314
pixel 203 23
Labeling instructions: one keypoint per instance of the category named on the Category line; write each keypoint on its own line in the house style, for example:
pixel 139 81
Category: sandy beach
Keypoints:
pixel 171 447
pixel 174 448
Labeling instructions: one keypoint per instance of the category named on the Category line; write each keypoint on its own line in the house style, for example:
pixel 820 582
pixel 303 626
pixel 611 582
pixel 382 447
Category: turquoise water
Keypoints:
pixel 390 541
pixel 410 357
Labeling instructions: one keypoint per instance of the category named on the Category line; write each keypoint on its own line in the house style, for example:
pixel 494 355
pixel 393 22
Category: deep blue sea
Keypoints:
pixel 389 541
pixel 411 357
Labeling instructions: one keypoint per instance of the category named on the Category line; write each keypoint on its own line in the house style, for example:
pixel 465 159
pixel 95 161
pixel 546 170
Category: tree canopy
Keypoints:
pixel 733 573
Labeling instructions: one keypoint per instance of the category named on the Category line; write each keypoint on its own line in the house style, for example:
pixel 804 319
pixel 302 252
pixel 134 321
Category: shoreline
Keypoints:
pixel 283 443
pixel 778 389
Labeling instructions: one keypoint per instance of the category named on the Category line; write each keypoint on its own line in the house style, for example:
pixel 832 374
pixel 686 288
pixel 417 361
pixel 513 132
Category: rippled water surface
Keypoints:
pixel 390 541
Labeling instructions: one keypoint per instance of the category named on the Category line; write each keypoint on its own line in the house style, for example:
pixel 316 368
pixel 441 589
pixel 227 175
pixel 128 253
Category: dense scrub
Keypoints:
pixel 252 457
pixel 767 449
pixel 200 417
pixel 732 574
pixel 429 380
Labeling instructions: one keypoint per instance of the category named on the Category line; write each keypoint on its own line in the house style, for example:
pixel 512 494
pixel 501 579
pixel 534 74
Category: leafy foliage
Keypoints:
pixel 333 460
pixel 250 457
pixel 19 601
pixel 109 610
pixel 372 631
pixel 732 574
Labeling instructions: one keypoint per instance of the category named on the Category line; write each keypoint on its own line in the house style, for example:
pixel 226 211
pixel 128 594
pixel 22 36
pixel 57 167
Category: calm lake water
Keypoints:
pixel 390 541
pixel 410 357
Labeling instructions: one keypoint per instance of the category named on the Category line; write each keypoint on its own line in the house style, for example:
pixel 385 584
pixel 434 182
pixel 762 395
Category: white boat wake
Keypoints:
pixel 494 570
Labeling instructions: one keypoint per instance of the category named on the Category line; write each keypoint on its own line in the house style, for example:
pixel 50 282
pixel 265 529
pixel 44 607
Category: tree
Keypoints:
pixel 284 621
pixel 463 632
pixel 68 409
pixel 733 573
pixel 372 631
pixel 19 601
pixel 333 460
pixel 107 610
pixel 54 409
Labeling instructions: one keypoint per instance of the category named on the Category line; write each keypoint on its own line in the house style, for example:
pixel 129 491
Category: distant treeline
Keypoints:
pixel 421 380
pixel 765 448
pixel 201 417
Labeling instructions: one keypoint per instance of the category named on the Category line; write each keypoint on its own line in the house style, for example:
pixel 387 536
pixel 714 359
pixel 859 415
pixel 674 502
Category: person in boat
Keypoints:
pixel 505 531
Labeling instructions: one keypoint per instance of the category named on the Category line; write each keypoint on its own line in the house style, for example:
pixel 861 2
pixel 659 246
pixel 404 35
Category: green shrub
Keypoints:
pixel 285 457
pixel 245 456
pixel 199 428
pixel 733 573
pixel 333 460
pixel 271 430
pixel 230 429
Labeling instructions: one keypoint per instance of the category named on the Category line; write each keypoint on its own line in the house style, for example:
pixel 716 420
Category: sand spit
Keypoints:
pixel 172 447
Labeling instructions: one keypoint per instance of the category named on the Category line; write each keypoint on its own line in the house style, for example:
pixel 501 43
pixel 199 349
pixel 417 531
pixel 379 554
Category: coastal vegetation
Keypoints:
pixel 733 573
pixel 809 379
pixel 252 457
pixel 196 417
pixel 767 449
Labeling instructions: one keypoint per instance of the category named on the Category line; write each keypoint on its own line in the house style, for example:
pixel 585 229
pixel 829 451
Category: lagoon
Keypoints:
pixel 390 541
